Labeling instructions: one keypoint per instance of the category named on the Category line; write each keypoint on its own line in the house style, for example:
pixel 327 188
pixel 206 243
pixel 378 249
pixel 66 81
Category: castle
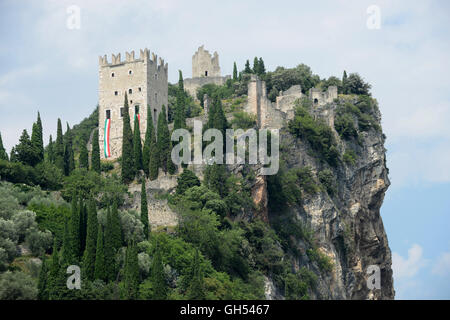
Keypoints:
pixel 144 80
pixel 205 69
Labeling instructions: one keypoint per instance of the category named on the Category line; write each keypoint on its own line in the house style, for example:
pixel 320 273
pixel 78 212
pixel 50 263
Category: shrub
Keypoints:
pixel 17 286
pixel 186 180
pixel 326 178
pixel 349 157
pixel 243 120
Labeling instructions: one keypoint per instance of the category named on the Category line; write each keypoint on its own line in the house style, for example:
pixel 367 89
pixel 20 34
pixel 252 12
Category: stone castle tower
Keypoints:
pixel 145 80
pixel 205 69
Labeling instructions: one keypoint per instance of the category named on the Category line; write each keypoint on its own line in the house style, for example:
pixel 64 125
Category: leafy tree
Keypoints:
pixel 74 228
pixel 144 209
pixel 43 280
pixel 150 131
pixel 261 67
pixel 37 139
pixel 128 165
pixel 344 82
pixel 84 156
pixel 186 180
pixel 91 239
pixel 100 267
pixel 131 278
pixel 196 289
pixel 137 145
pixel 95 157
pixel 255 66
pixel 356 85
pixel 17 286
pixel 59 147
pixel 3 153
pixel 158 276
pixel 235 72
pixel 216 176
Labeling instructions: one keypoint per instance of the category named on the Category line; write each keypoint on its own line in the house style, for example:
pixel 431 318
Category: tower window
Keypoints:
pixel 206 73
pixel 131 101
pixel 112 75
pixel 154 114
pixel 316 101
pixel 130 91
pixel 108 114
pixel 122 110
pixel 116 93
pixel 130 72
pixel 140 89
pixel 156 76
pixel 136 109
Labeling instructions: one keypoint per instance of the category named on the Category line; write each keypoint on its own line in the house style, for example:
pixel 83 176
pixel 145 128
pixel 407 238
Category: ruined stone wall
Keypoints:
pixel 205 65
pixel 320 98
pixel 192 84
pixel 145 82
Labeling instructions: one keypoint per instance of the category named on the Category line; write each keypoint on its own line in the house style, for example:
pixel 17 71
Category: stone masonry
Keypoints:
pixel 145 81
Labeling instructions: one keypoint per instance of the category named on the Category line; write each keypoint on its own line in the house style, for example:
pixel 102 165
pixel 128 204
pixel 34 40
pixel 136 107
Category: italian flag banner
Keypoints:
pixel 106 145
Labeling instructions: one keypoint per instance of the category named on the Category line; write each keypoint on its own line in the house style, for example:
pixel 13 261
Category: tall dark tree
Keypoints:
pixel 128 166
pixel 74 227
pixel 150 131
pixel 216 176
pixel 255 65
pixel 59 147
pixel 24 151
pixel 158 278
pixel 69 160
pixel 116 228
pixel 3 153
pixel 83 225
pixel 51 150
pixel 91 239
pixel 43 280
pixel 154 159
pixel 144 209
pixel 100 267
pixel 36 141
pixel 180 81
pixel 196 289
pixel 180 113
pixel 54 281
pixel 109 248
pixel 67 254
pixel 235 72
pixel 84 156
pixel 261 67
pixel 247 68
pixel 163 142
pixel 131 272
pixel 95 157
pixel 344 83
pixel 137 145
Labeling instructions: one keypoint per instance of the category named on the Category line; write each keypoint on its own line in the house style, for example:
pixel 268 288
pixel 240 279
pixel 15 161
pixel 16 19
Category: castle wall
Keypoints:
pixel 192 84
pixel 147 80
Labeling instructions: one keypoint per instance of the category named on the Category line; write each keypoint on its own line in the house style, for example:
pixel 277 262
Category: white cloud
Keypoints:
pixel 442 265
pixel 410 266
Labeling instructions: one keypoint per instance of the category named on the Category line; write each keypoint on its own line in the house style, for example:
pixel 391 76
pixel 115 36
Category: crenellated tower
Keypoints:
pixel 145 80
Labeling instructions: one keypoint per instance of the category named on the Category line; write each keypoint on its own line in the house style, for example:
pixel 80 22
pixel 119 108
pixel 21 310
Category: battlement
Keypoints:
pixel 144 57
pixel 204 64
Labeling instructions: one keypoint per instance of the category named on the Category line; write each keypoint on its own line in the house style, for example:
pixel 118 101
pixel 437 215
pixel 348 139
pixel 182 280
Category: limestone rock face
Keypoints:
pixel 347 226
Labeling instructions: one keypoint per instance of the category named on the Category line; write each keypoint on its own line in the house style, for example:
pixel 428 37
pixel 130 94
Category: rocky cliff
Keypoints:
pixel 343 218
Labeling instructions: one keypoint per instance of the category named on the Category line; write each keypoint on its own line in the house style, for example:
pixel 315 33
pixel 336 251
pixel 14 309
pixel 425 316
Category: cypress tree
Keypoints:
pixel 56 284
pixel 3 153
pixel 84 156
pixel 131 272
pixel 43 280
pixel 83 225
pixel 91 239
pixel 180 115
pixel 247 67
pixel 164 143
pixel 25 152
pixel 144 209
pixel 40 136
pixel 262 68
pixel 116 227
pixel 69 161
pixel 67 254
pixel 95 157
pixel 148 137
pixel 255 65
pixel 51 151
pixel 128 166
pixel 344 83
pixel 180 81
pixel 59 147
pixel 158 277
pixel 137 145
pixel 196 289
pixel 109 248
pixel 36 142
pixel 74 228
pixel 100 267
pixel 235 72
pixel 154 159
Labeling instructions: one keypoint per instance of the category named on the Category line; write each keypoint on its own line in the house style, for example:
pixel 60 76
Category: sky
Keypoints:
pixel 49 63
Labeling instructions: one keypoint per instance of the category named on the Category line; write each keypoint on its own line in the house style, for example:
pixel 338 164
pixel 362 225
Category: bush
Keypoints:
pixel 49 176
pixel 344 125
pixel 186 180
pixel 243 120
pixel 349 157
pixel 17 286
pixel 326 178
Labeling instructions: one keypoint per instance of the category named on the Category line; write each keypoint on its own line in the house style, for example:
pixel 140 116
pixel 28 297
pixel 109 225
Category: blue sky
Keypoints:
pixel 51 68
